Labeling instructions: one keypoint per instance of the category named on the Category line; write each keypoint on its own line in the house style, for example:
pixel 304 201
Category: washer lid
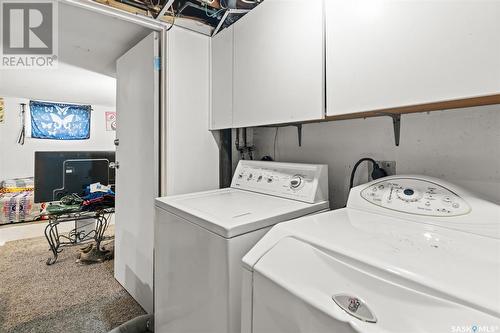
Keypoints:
pixel 463 266
pixel 232 212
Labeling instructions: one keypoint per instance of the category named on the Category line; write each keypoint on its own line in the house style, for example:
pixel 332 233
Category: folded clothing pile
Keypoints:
pixel 68 204
pixel 97 197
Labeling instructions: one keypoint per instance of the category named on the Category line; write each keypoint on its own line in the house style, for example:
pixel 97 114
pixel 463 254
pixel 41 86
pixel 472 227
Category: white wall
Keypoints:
pixel 192 161
pixel 66 83
pixel 461 146
pixel 17 161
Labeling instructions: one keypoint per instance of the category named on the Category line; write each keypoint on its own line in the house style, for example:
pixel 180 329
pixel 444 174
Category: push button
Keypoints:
pixel 447 200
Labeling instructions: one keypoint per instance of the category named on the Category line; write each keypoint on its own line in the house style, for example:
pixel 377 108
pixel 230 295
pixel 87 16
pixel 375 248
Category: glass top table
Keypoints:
pixel 78 235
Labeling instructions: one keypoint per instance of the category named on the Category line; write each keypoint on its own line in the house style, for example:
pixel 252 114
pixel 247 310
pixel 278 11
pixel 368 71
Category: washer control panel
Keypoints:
pixel 289 180
pixel 415 196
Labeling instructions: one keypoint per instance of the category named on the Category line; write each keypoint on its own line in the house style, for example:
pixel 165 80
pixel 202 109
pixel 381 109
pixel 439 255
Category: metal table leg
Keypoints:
pixel 101 226
pixel 52 236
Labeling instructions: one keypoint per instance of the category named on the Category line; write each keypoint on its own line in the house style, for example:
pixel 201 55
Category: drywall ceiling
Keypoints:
pixel 94 41
pixel 67 83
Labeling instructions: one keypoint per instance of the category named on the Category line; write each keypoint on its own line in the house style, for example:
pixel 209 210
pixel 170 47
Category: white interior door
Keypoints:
pixel 137 182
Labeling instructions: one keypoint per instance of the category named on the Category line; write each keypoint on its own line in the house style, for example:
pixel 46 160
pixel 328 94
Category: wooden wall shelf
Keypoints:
pixel 428 107
pixel 395 113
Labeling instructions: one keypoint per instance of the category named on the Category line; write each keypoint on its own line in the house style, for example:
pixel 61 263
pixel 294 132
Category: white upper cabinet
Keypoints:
pixel 383 53
pixel 222 80
pixel 279 63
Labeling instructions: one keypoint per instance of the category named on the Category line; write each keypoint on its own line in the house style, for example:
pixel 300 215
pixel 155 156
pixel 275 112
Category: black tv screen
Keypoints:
pixel 59 173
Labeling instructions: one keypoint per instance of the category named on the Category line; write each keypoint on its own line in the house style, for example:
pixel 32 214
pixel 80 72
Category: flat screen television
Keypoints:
pixel 59 173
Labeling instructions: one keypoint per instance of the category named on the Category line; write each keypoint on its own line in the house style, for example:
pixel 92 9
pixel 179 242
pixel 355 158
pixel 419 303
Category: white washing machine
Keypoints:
pixel 200 239
pixel 407 254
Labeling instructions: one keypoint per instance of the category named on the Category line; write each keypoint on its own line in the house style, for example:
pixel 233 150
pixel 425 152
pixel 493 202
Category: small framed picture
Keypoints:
pixel 110 121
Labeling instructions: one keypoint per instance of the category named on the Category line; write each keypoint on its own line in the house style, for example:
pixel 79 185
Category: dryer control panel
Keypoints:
pixel 302 182
pixel 415 196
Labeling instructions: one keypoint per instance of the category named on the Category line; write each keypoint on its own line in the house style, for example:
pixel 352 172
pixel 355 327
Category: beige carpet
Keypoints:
pixel 65 297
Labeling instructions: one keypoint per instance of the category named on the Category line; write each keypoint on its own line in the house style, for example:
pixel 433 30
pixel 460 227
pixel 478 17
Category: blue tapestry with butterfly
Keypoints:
pixel 60 121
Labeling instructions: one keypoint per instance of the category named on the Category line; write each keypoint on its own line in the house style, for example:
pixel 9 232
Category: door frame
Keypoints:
pixel 162 30
pixel 144 21
pixel 160 118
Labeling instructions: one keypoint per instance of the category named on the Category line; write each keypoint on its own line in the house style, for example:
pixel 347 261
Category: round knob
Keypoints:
pixel 296 181
pixel 409 195
pixel 408 191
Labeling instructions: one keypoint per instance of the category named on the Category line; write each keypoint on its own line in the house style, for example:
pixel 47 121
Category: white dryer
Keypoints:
pixel 200 239
pixel 407 254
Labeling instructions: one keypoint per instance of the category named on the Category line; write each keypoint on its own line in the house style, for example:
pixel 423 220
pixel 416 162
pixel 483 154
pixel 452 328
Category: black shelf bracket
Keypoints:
pixel 396 124
pixel 299 134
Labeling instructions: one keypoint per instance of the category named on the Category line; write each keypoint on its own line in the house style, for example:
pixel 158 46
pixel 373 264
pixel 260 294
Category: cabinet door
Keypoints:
pixel 221 110
pixel 279 63
pixel 386 53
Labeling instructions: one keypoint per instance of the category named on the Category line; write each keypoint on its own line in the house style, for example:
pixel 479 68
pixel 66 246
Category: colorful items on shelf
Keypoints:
pixel 17 185
pixel 17 201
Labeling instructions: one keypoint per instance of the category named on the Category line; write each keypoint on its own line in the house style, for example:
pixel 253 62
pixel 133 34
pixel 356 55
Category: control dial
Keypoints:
pixel 296 182
pixel 409 194
pixel 415 196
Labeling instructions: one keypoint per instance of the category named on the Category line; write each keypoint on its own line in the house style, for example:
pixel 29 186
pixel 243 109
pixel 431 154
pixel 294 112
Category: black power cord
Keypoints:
pixel 377 172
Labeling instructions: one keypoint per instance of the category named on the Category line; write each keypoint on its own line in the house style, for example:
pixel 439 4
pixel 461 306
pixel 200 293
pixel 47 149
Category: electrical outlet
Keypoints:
pixel 388 166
